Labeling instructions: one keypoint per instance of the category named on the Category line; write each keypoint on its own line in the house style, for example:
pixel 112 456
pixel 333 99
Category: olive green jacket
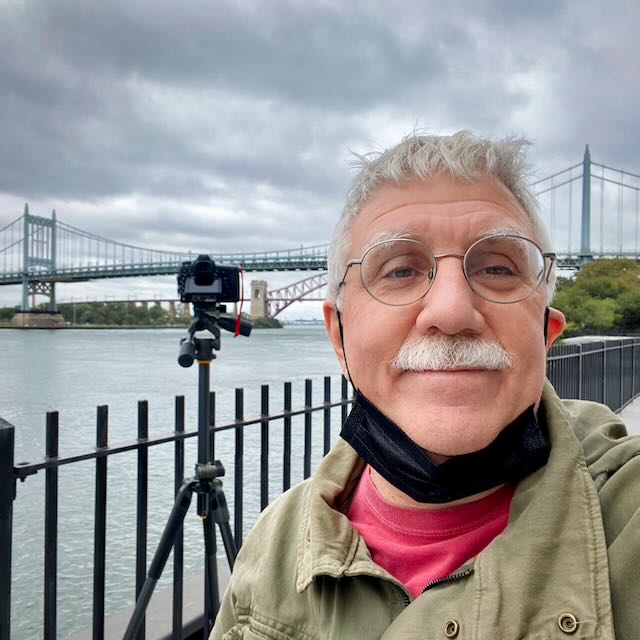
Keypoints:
pixel 567 565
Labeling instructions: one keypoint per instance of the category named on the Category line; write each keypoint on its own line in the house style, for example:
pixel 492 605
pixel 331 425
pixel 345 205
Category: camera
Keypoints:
pixel 202 281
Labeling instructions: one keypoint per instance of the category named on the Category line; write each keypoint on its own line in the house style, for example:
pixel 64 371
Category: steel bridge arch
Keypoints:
pixel 280 299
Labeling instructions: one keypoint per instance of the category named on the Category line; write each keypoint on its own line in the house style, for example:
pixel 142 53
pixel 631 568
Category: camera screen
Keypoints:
pixel 191 287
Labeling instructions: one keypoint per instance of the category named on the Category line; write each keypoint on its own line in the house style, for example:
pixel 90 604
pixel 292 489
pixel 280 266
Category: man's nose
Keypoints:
pixel 450 305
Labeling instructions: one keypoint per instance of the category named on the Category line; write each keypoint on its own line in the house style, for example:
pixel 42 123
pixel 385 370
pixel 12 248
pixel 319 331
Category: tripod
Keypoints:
pixel 206 483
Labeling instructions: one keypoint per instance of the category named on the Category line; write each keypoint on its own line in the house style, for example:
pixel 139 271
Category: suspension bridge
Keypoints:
pixel 590 209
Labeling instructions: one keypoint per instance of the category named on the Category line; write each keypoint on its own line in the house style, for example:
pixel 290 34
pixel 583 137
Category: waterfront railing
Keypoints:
pixel 606 372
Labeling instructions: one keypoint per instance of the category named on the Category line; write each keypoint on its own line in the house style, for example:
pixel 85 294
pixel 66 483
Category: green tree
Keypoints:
pixel 563 284
pixel 604 296
pixel 6 313
pixel 157 314
pixel 629 310
pixel 609 278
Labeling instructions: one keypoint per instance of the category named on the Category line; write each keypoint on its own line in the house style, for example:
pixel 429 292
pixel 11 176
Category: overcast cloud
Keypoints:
pixel 225 126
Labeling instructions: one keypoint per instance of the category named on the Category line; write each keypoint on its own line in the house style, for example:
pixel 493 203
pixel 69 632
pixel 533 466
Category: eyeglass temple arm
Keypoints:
pixel 552 258
pixel 346 269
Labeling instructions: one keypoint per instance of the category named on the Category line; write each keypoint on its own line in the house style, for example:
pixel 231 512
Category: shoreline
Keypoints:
pixel 108 326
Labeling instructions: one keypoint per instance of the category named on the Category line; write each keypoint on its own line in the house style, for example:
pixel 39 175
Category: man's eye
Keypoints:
pixel 401 272
pixel 496 271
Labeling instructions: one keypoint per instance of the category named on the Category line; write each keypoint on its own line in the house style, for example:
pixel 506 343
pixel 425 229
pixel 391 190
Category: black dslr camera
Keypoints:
pixel 202 282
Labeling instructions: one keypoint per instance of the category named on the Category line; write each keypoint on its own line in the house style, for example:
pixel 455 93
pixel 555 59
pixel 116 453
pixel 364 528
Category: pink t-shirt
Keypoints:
pixel 417 546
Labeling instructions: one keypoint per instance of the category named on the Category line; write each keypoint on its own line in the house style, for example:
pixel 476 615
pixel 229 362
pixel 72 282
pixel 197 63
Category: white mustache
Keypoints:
pixel 441 353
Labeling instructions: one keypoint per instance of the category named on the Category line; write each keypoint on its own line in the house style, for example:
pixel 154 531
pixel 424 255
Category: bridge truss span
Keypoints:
pixel 280 299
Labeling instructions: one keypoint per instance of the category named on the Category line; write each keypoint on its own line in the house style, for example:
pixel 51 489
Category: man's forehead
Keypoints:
pixel 440 190
pixel 416 208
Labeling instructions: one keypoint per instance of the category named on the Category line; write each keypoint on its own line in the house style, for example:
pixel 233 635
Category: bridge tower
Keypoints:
pixel 586 254
pixel 39 253
pixel 258 298
pixel 38 256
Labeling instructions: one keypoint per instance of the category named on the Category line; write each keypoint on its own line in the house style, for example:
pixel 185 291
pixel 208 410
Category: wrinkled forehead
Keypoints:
pixel 441 210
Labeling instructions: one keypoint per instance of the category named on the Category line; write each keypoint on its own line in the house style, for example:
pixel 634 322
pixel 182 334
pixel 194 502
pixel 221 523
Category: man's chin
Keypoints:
pixel 447 431
pixel 450 388
pixel 440 449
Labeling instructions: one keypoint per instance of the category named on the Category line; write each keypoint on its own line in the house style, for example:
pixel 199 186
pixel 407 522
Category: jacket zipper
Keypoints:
pixel 451 578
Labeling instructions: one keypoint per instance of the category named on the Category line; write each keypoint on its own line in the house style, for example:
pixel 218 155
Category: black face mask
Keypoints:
pixel 520 449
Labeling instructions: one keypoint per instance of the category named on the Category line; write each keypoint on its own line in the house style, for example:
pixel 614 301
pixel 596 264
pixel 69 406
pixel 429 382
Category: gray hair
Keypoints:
pixel 462 155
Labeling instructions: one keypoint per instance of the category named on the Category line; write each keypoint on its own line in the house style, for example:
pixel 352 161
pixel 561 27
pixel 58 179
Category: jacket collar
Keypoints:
pixel 327 543
pixel 555 515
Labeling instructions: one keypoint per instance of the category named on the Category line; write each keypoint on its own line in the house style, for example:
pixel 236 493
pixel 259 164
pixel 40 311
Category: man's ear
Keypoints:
pixel 556 324
pixel 332 326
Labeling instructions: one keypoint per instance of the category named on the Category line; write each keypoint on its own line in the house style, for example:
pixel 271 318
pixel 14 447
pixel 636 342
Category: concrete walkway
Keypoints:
pixel 631 415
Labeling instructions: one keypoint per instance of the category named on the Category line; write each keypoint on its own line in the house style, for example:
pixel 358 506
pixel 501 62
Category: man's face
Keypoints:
pixel 444 412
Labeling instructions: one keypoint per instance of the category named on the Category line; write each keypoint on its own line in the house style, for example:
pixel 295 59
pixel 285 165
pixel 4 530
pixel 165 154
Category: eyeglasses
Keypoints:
pixel 500 268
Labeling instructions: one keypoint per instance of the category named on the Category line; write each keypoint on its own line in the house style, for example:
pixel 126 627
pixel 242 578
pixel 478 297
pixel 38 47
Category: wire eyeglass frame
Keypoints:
pixel 544 277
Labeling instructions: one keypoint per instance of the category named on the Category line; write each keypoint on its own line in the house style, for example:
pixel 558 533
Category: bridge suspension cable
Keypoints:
pixel 618 192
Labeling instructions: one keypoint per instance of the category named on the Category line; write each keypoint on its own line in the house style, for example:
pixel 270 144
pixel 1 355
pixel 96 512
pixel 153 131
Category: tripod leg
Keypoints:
pixel 171 530
pixel 212 593
pixel 220 512
pixel 229 543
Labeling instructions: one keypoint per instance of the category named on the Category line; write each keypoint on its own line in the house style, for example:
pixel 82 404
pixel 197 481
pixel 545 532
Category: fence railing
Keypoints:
pixel 606 372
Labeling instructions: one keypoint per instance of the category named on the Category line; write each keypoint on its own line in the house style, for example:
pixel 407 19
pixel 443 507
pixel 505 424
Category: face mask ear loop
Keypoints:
pixel 546 325
pixel 344 352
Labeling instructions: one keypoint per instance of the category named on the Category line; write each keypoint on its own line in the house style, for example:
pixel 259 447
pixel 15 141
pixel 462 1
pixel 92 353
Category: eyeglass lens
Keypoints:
pixel 499 268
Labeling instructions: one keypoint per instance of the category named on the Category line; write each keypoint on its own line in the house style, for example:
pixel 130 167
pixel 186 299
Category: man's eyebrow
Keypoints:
pixel 504 230
pixel 387 236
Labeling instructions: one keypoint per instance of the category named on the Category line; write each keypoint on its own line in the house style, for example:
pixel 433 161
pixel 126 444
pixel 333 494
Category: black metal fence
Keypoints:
pixel 606 372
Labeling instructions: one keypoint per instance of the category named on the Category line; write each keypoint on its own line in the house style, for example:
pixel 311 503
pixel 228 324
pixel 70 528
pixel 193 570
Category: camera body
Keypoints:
pixel 202 282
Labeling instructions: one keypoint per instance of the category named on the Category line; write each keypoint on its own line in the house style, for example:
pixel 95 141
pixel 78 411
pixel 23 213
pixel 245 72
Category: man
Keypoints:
pixel 464 500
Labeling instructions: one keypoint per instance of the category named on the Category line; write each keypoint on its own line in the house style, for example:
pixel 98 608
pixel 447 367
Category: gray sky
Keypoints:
pixel 224 126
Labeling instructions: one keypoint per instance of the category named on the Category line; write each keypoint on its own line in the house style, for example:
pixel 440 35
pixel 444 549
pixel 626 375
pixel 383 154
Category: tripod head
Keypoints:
pixel 208 317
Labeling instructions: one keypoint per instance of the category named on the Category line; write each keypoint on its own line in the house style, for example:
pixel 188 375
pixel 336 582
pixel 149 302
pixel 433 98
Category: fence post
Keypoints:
pixel 238 470
pixel 7 496
pixel 142 493
pixel 633 369
pixel 308 402
pixel 344 394
pixel 178 547
pixel 286 455
pixel 604 372
pixel 580 371
pixel 327 415
pixel 621 385
pixel 100 524
pixel 51 531
pixel 264 446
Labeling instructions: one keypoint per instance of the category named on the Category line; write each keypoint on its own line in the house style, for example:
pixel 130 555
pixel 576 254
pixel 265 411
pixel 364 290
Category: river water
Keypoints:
pixel 73 372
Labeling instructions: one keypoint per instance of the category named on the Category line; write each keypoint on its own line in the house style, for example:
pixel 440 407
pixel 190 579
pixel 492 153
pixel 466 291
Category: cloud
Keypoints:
pixel 230 123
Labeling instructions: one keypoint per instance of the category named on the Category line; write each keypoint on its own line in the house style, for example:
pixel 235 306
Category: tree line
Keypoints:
pixel 121 314
pixel 603 297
